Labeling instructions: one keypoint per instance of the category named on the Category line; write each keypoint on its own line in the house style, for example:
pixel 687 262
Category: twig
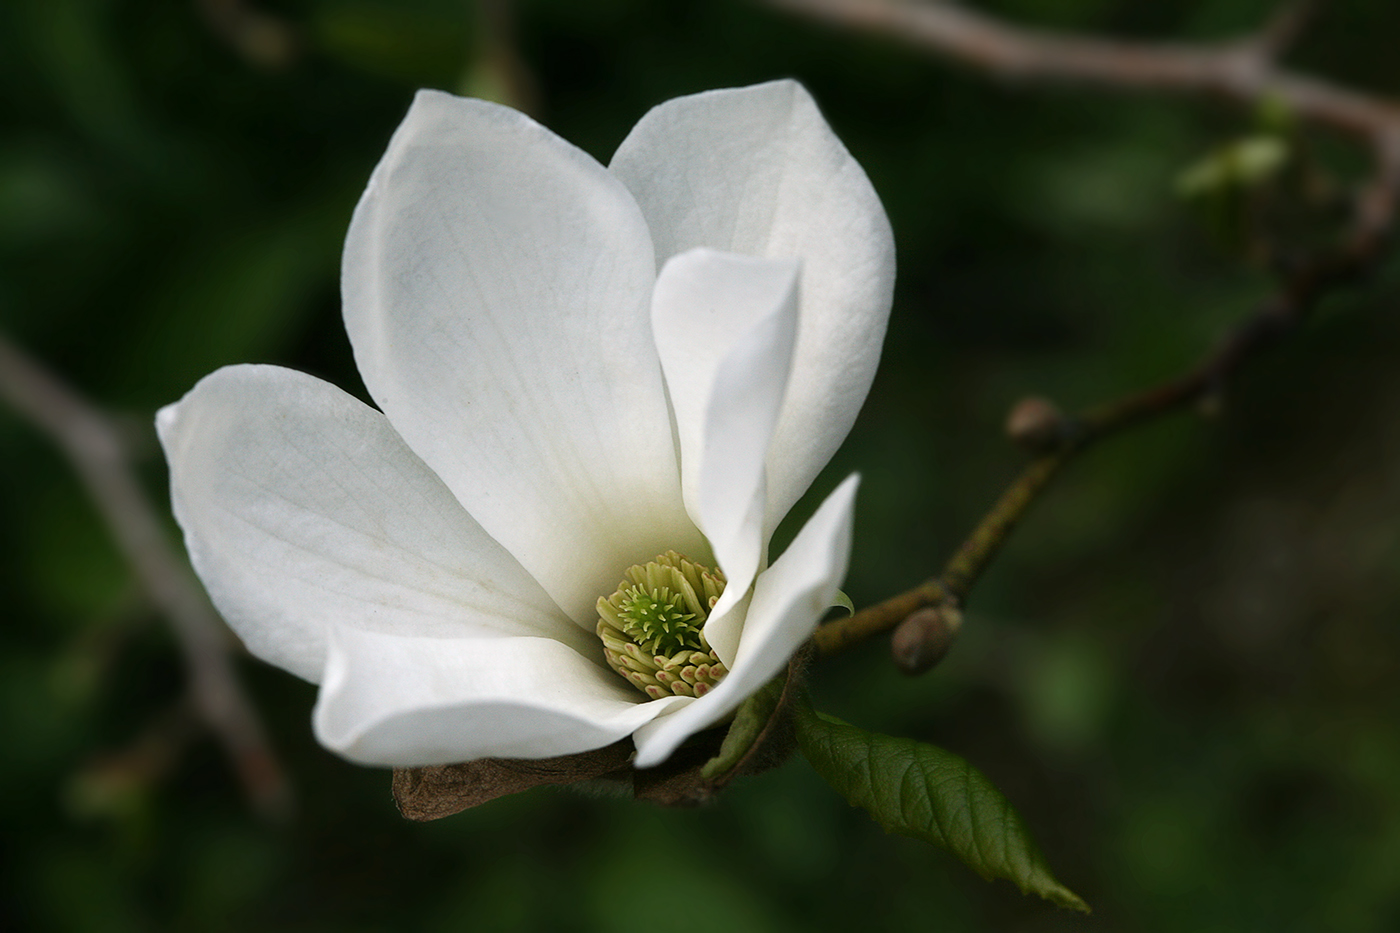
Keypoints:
pixel 1241 71
pixel 95 448
pixel 1281 312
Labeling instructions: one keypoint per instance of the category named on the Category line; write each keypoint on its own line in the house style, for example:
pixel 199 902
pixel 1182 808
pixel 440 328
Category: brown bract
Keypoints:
pixel 436 791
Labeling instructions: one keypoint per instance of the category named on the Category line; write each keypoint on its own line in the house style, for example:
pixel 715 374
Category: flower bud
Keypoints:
pixel 924 638
pixel 1036 424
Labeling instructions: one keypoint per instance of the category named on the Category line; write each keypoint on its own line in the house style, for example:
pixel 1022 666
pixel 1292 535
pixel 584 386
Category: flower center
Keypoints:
pixel 653 627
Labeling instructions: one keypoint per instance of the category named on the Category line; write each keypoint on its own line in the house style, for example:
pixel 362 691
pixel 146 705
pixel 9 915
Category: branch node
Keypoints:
pixel 924 638
pixel 1037 425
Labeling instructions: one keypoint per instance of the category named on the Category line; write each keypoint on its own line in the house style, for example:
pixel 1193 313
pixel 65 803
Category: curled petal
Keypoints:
pixel 725 326
pixel 301 508
pixel 758 171
pixel 407 702
pixel 789 599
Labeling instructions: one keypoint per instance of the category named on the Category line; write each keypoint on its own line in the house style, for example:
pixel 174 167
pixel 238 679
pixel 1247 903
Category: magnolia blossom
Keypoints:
pixel 577 368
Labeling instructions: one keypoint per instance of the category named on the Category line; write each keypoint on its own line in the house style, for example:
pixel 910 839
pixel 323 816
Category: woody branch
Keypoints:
pixel 927 617
pixel 98 452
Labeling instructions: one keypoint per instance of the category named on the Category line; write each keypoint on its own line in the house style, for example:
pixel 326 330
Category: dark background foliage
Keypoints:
pixel 1182 670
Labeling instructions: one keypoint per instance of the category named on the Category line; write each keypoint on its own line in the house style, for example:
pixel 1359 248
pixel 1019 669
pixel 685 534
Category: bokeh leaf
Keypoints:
pixel 922 791
pixel 1244 163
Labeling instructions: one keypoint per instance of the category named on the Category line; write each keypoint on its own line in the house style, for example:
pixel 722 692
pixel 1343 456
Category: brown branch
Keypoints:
pixel 1279 314
pixel 840 634
pixel 96 449
pixel 1061 439
pixel 1242 71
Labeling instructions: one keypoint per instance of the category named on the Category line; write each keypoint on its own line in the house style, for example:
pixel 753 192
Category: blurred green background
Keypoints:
pixel 1182 670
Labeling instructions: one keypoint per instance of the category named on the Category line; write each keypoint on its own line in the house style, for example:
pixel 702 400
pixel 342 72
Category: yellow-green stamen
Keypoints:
pixel 652 628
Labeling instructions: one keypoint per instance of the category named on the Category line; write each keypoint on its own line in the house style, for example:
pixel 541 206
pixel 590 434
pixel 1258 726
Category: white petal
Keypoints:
pixel 789 598
pixel 725 326
pixel 758 171
pixel 404 702
pixel 496 284
pixel 302 508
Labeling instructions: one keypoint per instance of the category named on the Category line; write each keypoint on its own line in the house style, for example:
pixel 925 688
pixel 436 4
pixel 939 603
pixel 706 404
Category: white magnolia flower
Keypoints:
pixel 555 411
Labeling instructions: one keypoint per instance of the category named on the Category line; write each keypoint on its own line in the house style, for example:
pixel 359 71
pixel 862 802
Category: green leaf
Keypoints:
pixel 925 792
pixel 845 603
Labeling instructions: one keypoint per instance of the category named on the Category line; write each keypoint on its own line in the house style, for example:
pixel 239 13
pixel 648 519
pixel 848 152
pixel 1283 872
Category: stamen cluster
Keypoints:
pixel 652 627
